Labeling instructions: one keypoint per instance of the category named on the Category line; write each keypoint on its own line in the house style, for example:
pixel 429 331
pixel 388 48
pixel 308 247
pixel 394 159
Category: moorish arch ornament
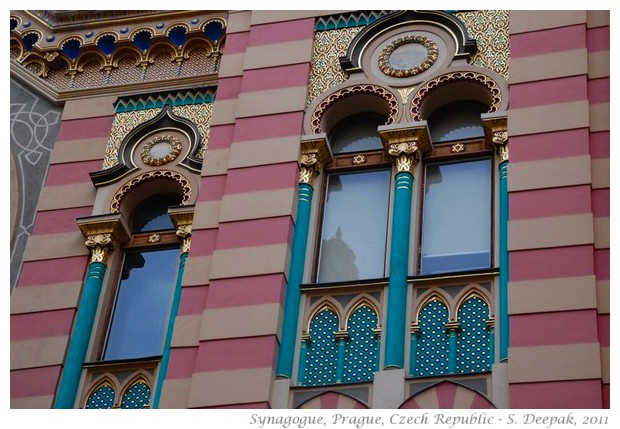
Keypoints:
pixel 408 56
pixel 489 85
pixel 161 150
pixel 447 395
pixel 157 174
pixel 350 91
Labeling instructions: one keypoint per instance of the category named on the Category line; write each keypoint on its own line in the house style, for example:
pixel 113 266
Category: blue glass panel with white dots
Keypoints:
pixel 432 353
pixel 362 350
pixel 102 398
pixel 137 396
pixel 474 340
pixel 322 354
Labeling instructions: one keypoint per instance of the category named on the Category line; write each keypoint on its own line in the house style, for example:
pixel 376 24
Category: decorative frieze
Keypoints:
pixel 102 234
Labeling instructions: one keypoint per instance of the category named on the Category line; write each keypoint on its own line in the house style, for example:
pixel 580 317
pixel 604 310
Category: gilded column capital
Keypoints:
pixel 453 327
pixel 415 328
pixel 315 153
pixel 496 133
pixel 182 218
pixel 305 338
pixel 341 335
pixel 490 323
pixel 102 233
pixel 405 143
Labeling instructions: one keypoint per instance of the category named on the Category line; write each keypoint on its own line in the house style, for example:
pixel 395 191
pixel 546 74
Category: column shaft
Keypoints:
pixel 504 327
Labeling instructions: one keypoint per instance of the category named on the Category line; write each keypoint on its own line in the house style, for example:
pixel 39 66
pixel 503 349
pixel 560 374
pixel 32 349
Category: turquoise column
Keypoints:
pixel 293 291
pixel 491 327
pixel 413 350
pixel 504 263
pixel 341 339
pixel 314 153
pixel 399 264
pixel 80 339
pixel 303 354
pixel 174 309
pixel 452 329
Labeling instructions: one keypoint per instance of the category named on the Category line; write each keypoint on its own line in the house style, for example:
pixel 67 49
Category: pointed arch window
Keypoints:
pixel 321 358
pixel 138 395
pixel 362 350
pixel 102 397
pixel 432 349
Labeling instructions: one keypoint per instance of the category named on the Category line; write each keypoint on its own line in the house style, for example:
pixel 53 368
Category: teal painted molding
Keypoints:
pixel 72 372
pixel 504 263
pixel 355 19
pixel 159 101
pixel 452 342
pixel 165 360
pixel 413 352
pixel 293 292
pixel 303 356
pixel 399 263
pixel 342 343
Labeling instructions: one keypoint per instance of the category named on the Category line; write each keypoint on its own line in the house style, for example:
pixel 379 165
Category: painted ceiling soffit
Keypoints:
pixel 173 50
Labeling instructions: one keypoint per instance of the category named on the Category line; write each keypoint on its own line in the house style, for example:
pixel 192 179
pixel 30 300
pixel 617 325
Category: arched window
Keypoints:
pixel 102 397
pixel 138 395
pixel 473 344
pixel 457 193
pixel 143 299
pixel 356 203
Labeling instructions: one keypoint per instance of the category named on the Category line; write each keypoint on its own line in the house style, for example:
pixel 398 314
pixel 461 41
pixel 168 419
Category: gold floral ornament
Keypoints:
pixel 405 155
pixel 99 245
pixel 161 150
pixel 496 132
pixel 405 144
pixel 410 61
pixel 102 233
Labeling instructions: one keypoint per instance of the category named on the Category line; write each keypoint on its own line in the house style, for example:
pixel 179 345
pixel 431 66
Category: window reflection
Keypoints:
pixel 354 226
pixel 152 214
pixel 457 121
pixel 357 133
pixel 142 305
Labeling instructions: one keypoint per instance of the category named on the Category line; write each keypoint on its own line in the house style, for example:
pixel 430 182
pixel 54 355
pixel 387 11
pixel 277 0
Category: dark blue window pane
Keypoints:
pixel 152 214
pixel 457 121
pixel 357 133
pixel 143 303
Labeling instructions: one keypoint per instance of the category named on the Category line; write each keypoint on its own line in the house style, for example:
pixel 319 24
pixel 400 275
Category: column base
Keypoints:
pixel 500 386
pixel 388 390
pixel 280 393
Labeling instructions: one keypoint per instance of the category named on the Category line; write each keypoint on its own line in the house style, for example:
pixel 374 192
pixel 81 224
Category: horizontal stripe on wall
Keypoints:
pixel 53 271
pixel 54 296
pixel 546 41
pixel 262 178
pixel 280 32
pixel 34 381
pixel 219 323
pixel 214 388
pixel 557 144
pixel 599 90
pixel 560 294
pixel 236 43
pixel 38 352
pixel 193 300
pixel 220 137
pixel 598 39
pixel 551 263
pixel 85 128
pixel 599 145
pixel 75 172
pixel 268 126
pixel 551 91
pixel 601 264
pixel 604 328
pixel 275 77
pixel 578 394
pixel 601 202
pixel 212 188
pixel 522 21
pixel 228 87
pixel 237 353
pixel 548 66
pixel 41 324
pixel 550 202
pixel 563 327
pixel 257 232
pixel 241 291
pixel 182 362
pixel 61 220
pixel 204 242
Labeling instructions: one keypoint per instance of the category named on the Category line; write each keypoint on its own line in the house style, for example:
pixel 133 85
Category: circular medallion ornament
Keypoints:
pixel 408 56
pixel 161 150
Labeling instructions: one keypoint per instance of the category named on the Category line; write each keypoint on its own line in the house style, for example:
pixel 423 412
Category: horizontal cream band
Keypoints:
pixel 553 231
pixel 598 64
pixel 186 330
pixel 550 173
pixel 249 261
pixel 224 112
pixel 278 54
pixel 175 393
pixel 523 21
pixel 244 386
pixel 67 196
pixel 257 205
pixel 549 117
pixel 79 150
pixel 554 363
pixel 59 245
pixel 238 322
pixel 33 402
pixel 215 162
pixel 602 232
pixel 57 296
pixel 206 215
pixel 271 101
pixel 264 152
pixel 560 294
pixel 196 271
pixel 549 66
pixel 602 296
pixel 600 173
pixel 605 364
pixel 599 117
pixel 38 352
pixel 231 65
pixel 89 107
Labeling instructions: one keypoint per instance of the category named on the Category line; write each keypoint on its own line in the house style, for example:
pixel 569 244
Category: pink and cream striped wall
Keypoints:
pixel 559 209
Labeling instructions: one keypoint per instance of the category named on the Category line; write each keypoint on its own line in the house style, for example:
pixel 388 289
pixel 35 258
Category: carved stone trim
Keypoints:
pixel 175 150
pixel 315 153
pixel 166 174
pixel 460 76
pixel 496 132
pixel 182 219
pixel 349 91
pixel 102 233
pixel 405 144
pixel 386 66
